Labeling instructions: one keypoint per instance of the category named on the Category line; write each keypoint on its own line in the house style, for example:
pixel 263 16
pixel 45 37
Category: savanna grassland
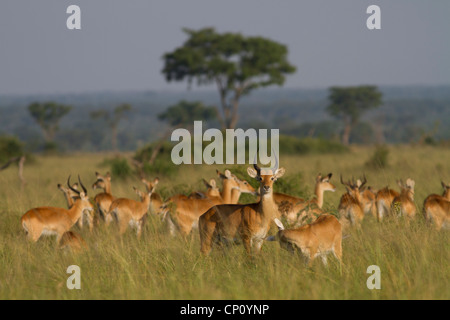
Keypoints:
pixel 414 259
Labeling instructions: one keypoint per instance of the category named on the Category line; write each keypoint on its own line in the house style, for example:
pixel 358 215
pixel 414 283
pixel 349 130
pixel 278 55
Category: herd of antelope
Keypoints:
pixel 220 219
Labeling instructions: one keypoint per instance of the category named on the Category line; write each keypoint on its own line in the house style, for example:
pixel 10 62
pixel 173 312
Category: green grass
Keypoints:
pixel 414 259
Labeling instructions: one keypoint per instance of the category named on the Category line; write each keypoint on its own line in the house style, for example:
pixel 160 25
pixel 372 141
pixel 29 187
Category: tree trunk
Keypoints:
pixel 346 134
pixel 158 147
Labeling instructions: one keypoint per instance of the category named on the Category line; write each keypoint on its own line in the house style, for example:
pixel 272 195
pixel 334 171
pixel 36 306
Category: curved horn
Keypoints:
pixel 364 181
pixel 70 187
pixel 82 186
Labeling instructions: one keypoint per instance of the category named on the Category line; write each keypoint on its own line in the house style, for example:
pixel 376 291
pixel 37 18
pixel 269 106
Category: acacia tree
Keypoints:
pixel 47 115
pixel 112 119
pixel 349 103
pixel 236 64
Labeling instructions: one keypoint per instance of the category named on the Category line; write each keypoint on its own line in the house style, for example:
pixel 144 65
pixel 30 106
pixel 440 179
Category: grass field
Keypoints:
pixel 414 259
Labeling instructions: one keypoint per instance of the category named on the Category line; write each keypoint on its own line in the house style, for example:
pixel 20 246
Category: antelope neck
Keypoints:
pixel 319 194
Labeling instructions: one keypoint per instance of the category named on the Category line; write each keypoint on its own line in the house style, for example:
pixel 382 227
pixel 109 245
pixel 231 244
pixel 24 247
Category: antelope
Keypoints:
pixel 211 191
pixel 155 199
pixel 403 204
pixel 297 209
pixel 69 194
pixel 70 199
pixel 368 200
pixel 250 221
pixel 72 241
pixel 182 213
pixel 103 200
pixel 436 208
pixel 129 212
pixel 319 238
pixel 55 221
pixel 383 201
pixel 350 206
pixel 236 191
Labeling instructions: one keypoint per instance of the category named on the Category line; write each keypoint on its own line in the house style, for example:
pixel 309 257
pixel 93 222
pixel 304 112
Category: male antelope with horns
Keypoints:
pixel 250 221
pixel 49 221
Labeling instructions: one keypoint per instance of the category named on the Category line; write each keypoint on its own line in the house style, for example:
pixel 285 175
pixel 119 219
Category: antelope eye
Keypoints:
pixel 272 178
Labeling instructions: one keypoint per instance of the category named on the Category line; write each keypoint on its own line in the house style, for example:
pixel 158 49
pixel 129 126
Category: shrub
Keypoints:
pixel 379 158
pixel 119 167
pixel 10 147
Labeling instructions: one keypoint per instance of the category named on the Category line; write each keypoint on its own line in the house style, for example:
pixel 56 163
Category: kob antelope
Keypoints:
pixel 128 212
pixel 72 241
pixel 295 209
pixel 55 221
pixel 368 200
pixel 182 213
pixel 320 238
pixel 383 201
pixel 251 221
pixel 436 208
pixel 403 205
pixel 103 200
pixel 155 199
pixel 350 206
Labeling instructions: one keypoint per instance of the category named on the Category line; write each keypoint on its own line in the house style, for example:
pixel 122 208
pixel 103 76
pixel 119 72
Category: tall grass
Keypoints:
pixel 414 259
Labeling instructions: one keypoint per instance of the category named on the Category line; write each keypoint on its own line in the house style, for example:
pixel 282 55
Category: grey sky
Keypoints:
pixel 121 42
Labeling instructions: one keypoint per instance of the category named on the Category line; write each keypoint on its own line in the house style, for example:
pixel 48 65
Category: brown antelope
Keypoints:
pixel 403 205
pixel 182 213
pixel 55 221
pixel 155 199
pixel 236 191
pixel 103 200
pixel 383 201
pixel 250 221
pixel 70 199
pixel 350 206
pixel 297 209
pixel 128 212
pixel 72 241
pixel 69 194
pixel 319 238
pixel 436 208
pixel 211 191
pixel 368 200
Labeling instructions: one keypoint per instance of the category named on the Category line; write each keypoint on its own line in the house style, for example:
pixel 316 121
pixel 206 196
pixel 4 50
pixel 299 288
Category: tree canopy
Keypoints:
pixel 184 113
pixel 349 103
pixel 236 64
pixel 48 115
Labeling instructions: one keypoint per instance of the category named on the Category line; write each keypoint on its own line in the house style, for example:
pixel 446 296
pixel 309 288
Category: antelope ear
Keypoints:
pixel 75 186
pixel 329 175
pixel 212 183
pixel 108 175
pixel 221 175
pixel 252 172
pixel 399 184
pixel 279 224
pixel 227 174
pixel 319 177
pixel 156 181
pixel 60 186
pixel 443 185
pixel 279 173
pixel 143 180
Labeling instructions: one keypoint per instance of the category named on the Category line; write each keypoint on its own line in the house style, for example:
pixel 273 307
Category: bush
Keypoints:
pixel 379 158
pixel 119 167
pixel 163 165
pixel 294 146
pixel 10 147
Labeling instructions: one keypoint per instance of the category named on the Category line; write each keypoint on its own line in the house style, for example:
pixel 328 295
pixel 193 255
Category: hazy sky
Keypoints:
pixel 121 42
